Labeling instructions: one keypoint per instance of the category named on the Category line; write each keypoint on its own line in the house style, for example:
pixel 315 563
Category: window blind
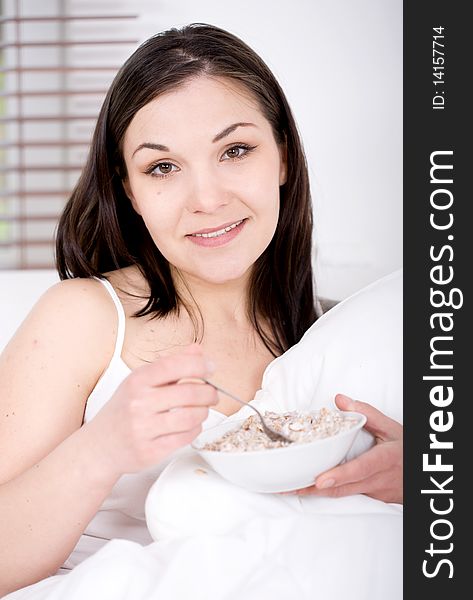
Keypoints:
pixel 57 59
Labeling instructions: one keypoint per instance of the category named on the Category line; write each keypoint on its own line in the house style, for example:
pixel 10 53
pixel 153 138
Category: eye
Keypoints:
pixel 238 151
pixel 161 169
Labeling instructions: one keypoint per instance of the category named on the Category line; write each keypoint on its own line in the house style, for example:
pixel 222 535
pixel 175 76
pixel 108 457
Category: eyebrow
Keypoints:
pixel 151 146
pixel 227 131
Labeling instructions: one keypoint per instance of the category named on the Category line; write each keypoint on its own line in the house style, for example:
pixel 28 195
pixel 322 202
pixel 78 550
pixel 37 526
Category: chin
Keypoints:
pixel 222 278
pixel 219 274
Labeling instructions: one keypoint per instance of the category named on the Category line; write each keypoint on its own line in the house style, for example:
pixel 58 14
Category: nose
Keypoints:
pixel 206 192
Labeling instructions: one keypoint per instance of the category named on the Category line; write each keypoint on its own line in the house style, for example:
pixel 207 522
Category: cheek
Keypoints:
pixel 160 221
pixel 264 191
pixel 152 204
pixel 159 225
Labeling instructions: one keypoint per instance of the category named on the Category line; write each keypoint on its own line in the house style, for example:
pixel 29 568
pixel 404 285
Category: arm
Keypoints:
pixel 378 472
pixel 55 474
pixel 44 385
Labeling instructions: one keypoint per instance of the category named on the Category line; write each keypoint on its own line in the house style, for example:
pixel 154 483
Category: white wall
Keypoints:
pixel 340 63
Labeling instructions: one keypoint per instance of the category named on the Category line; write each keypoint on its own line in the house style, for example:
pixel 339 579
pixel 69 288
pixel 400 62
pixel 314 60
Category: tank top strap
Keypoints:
pixel 121 318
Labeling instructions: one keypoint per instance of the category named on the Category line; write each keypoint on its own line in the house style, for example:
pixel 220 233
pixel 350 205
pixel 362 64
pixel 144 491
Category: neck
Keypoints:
pixel 218 303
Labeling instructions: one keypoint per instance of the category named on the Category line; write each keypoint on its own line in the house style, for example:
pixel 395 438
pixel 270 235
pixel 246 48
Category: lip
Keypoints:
pixel 220 240
pixel 211 230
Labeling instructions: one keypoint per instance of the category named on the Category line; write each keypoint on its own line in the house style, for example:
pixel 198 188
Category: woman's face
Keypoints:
pixel 203 171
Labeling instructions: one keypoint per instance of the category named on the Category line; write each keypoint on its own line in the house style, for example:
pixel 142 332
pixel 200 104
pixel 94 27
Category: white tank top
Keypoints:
pixel 122 513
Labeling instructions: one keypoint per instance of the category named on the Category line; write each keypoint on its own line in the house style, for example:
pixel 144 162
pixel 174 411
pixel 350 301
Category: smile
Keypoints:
pixel 218 233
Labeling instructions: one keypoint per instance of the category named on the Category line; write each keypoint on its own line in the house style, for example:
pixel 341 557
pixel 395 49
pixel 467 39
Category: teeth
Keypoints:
pixel 219 232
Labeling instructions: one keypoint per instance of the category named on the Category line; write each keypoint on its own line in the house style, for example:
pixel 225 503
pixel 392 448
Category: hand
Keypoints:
pixel 153 413
pixel 376 473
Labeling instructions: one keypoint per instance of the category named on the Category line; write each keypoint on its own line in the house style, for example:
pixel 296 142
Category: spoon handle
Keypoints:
pixel 273 435
pixel 219 389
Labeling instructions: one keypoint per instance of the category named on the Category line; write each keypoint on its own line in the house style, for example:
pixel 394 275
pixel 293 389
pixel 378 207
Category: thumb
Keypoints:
pixel 193 348
pixel 377 423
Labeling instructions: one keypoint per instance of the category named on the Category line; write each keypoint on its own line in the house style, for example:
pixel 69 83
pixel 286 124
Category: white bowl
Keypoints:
pixel 277 469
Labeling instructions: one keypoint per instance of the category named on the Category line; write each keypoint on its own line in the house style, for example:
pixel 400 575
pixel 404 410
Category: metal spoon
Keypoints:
pixel 273 435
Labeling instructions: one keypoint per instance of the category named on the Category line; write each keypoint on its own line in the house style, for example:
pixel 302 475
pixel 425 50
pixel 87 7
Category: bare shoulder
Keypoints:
pixel 71 309
pixel 131 287
pixel 69 332
pixel 49 368
pixel 71 293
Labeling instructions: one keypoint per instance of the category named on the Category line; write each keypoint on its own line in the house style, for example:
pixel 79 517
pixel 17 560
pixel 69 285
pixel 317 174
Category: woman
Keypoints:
pixel 192 222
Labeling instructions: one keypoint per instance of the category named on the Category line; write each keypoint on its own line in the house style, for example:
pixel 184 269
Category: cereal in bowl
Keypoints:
pixel 297 426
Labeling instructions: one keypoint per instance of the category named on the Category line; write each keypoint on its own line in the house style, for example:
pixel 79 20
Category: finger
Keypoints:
pixel 333 492
pixel 170 397
pixel 173 441
pixel 170 369
pixel 377 423
pixel 360 487
pixel 160 447
pixel 365 465
pixel 194 349
pixel 377 486
pixel 179 420
pixel 185 394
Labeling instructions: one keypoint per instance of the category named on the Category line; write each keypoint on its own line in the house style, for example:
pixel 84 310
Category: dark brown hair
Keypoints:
pixel 99 231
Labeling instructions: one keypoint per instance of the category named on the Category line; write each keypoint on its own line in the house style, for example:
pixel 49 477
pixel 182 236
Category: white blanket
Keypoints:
pixel 220 542
pixel 313 548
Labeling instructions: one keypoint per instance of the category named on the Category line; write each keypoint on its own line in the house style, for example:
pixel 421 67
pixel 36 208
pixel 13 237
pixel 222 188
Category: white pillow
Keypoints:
pixel 354 349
